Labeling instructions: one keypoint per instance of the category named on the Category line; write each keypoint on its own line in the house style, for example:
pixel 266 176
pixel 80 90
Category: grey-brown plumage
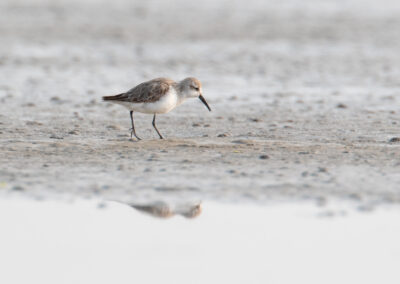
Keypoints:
pixel 146 92
pixel 156 96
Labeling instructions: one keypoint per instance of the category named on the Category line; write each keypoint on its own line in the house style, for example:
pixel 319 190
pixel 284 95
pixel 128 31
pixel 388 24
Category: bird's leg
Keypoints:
pixel 133 127
pixel 155 127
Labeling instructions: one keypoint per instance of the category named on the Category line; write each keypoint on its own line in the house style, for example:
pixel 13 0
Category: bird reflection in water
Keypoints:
pixel 163 210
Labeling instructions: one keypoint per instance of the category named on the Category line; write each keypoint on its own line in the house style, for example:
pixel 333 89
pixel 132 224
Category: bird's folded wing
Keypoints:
pixel 150 91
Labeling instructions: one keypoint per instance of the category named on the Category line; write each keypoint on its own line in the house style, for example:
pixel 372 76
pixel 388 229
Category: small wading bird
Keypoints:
pixel 156 96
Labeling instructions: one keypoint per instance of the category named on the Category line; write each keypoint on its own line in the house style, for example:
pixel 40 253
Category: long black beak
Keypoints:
pixel 204 102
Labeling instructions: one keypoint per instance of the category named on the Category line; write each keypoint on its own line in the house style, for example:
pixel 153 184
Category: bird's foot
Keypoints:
pixel 134 134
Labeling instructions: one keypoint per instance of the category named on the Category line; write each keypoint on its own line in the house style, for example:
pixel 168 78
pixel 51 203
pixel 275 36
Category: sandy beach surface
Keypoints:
pixel 304 97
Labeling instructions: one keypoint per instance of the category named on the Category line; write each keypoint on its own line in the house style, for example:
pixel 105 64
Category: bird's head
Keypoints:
pixel 191 88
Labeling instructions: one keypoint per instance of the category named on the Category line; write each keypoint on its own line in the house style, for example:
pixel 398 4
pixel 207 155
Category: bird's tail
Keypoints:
pixel 114 98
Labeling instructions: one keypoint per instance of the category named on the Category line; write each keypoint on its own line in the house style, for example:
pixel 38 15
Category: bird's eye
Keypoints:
pixel 196 88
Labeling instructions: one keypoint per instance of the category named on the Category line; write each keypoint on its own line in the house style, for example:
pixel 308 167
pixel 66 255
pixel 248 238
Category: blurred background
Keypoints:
pixel 233 46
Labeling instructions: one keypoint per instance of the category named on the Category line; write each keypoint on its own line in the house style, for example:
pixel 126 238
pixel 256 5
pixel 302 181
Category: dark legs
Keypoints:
pixel 155 127
pixel 133 127
pixel 133 132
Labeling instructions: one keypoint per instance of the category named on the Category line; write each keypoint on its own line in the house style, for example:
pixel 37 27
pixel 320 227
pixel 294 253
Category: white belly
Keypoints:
pixel 166 103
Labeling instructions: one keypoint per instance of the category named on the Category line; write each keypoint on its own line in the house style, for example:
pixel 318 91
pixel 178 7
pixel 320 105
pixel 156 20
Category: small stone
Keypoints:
pixel 113 127
pixel 74 132
pixel 240 141
pixel 341 105
pixel 153 157
pixel 365 208
pixel 18 188
pixel 321 201
pixel 223 135
pixel 29 105
pixel 53 136
pixel 195 125
pixel 394 140
pixel 263 157
pixel 101 205
pixel 33 123
pixel 55 99
pixel 355 196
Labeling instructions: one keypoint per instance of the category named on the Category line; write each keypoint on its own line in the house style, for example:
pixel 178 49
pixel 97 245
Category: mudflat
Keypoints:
pixel 304 97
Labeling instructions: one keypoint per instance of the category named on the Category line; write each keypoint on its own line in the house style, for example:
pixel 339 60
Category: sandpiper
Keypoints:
pixel 159 95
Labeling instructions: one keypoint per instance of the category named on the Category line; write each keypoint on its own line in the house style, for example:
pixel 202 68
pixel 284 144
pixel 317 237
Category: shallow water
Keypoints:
pixel 104 242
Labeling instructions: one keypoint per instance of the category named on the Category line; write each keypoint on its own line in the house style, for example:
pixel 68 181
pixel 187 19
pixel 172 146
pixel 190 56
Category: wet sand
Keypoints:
pixel 304 99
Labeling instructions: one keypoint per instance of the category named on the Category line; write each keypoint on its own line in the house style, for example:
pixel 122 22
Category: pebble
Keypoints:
pixel 53 136
pixel 18 188
pixel 223 135
pixel 113 127
pixel 73 132
pixel 32 123
pixel 55 99
pixel 394 140
pixel 29 105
